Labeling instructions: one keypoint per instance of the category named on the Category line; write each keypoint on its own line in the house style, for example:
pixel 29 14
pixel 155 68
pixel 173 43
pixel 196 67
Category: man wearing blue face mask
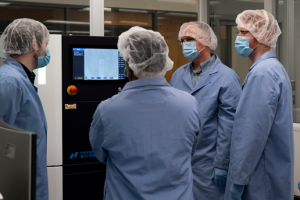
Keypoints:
pixel 24 43
pixel 217 90
pixel 262 145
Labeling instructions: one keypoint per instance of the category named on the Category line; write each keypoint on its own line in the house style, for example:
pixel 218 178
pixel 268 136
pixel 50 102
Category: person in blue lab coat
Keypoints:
pixel 262 145
pixel 146 133
pixel 24 41
pixel 217 89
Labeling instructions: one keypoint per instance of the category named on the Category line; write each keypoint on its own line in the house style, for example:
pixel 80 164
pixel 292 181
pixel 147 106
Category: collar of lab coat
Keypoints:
pixel 205 79
pixel 146 82
pixel 269 54
pixel 17 66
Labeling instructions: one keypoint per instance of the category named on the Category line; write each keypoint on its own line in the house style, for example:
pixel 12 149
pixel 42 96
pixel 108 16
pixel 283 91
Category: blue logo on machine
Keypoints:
pixel 83 154
pixel 73 155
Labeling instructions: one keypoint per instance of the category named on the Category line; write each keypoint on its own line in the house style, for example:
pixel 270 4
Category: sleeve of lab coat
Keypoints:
pixel 253 121
pixel 198 133
pixel 229 97
pixel 10 101
pixel 97 137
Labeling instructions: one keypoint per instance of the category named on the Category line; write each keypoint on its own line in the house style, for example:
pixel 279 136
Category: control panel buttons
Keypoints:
pixel 72 90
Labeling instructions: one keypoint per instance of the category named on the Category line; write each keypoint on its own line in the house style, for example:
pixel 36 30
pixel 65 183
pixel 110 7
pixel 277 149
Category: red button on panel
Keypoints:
pixel 73 89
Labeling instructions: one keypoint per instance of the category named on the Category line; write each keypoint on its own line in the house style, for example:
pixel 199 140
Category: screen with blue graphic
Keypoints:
pixel 97 64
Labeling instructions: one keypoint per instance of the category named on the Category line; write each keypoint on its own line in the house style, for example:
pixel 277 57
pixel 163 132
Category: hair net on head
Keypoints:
pixel 261 24
pixel 18 36
pixel 201 32
pixel 146 52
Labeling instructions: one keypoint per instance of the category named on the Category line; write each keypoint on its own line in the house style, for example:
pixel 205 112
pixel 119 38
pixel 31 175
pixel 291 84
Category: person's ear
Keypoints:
pixel 205 40
pixel 34 45
pixel 264 38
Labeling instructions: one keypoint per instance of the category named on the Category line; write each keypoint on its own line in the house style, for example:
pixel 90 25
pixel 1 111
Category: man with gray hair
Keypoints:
pixel 217 89
pixel 24 43
pixel 145 134
pixel 262 145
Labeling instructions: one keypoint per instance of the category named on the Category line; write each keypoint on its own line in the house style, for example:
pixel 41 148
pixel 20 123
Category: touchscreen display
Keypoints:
pixel 97 64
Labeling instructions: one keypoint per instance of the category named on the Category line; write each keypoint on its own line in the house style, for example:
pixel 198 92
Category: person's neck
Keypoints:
pixel 134 78
pixel 202 57
pixel 258 52
pixel 27 60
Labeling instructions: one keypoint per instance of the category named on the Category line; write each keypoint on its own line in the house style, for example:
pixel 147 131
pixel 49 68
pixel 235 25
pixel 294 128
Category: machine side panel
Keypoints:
pixel 55 183
pixel 49 83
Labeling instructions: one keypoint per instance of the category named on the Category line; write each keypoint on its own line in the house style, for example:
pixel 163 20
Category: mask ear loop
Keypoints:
pixel 256 45
pixel 202 44
pixel 39 49
pixel 202 49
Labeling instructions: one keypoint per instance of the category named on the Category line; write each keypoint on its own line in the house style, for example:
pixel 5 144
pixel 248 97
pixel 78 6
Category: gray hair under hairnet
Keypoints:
pixel 19 35
pixel 146 52
pixel 202 33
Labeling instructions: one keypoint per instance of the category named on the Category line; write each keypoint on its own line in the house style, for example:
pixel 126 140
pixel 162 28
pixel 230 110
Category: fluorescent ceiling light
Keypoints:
pixel 132 22
pixel 134 11
pixel 4 4
pixel 182 14
pixel 88 9
pixel 107 22
pixel 66 22
pixel 85 32
pixel 55 31
pixel 80 32
pixel 214 2
pixel 85 9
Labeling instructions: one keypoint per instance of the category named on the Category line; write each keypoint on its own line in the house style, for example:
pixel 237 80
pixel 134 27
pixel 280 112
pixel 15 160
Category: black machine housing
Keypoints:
pixel 83 174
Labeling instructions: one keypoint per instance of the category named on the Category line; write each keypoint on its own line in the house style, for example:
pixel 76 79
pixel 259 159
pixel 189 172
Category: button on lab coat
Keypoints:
pixel 145 135
pixel 262 149
pixel 22 107
pixel 217 93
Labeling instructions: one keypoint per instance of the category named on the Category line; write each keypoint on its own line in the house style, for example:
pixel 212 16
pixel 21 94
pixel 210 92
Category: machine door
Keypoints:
pixel 77 119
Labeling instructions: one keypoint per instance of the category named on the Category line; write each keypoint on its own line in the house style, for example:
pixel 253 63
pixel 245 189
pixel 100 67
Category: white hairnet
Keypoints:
pixel 146 52
pixel 18 36
pixel 201 32
pixel 261 24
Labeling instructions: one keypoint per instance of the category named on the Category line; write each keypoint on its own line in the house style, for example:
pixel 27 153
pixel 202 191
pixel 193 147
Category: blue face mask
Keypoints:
pixel 242 46
pixel 189 50
pixel 43 61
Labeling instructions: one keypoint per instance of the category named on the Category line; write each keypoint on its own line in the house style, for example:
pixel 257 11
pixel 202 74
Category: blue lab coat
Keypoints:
pixel 22 107
pixel 262 147
pixel 145 135
pixel 217 93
